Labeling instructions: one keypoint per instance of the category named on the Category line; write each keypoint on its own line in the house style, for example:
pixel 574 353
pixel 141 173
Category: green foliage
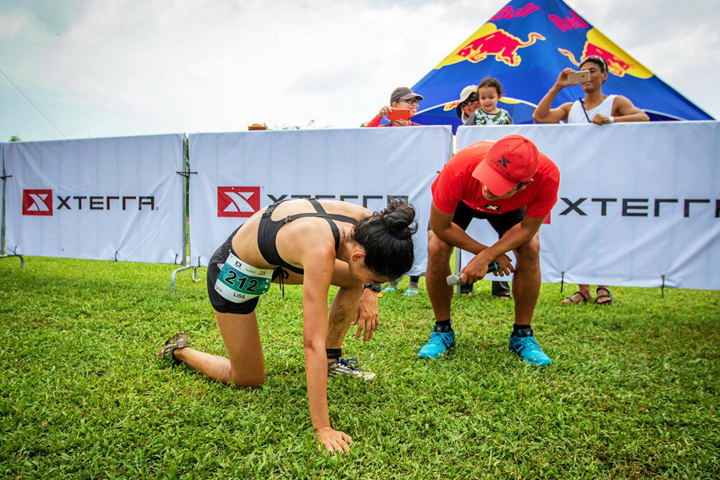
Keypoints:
pixel 633 392
pixel 309 126
pixel 15 138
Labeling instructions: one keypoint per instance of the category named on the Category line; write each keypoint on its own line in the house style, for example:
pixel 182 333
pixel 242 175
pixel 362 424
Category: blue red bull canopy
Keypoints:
pixel 525 46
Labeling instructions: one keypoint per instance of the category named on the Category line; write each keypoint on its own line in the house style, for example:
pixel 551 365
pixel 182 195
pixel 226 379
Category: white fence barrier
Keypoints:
pixel 105 199
pixel 240 173
pixel 639 203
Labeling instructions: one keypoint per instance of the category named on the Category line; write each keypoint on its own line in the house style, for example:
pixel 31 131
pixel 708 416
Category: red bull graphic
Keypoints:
pixel 509 12
pixel 489 41
pixel 619 63
pixel 568 23
pixel 501 44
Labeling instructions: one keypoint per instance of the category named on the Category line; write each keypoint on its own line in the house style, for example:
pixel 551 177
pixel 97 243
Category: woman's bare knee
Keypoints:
pixel 249 382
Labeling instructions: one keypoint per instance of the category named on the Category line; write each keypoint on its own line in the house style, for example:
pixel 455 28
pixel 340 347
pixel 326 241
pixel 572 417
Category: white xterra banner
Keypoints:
pixel 105 199
pixel 240 173
pixel 639 203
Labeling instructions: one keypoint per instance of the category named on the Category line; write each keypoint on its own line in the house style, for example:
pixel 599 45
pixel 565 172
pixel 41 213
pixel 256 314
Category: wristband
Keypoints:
pixel 612 119
pixel 372 287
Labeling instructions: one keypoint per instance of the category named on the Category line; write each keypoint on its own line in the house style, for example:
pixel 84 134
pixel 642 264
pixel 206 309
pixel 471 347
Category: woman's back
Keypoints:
pixel 291 238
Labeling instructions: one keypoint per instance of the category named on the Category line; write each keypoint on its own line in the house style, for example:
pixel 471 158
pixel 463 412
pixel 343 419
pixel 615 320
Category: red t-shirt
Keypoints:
pixel 375 122
pixel 456 183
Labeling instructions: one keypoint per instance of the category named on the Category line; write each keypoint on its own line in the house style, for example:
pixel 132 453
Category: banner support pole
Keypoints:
pixel 185 173
pixel 458 265
pixel 4 178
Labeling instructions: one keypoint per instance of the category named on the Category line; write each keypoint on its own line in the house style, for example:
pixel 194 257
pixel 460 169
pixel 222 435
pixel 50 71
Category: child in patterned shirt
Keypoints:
pixel 489 92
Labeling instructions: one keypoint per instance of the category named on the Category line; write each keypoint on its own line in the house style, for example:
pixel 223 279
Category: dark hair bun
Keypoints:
pixel 387 238
pixel 399 218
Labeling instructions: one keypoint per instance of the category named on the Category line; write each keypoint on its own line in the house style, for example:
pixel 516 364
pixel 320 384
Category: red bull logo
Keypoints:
pixel 500 44
pixel 619 63
pixel 568 23
pixel 509 12
pixel 489 41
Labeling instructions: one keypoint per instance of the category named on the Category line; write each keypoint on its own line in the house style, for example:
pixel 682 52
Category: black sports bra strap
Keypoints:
pixel 318 208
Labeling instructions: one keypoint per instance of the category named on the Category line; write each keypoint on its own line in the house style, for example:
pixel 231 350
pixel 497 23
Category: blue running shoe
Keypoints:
pixel 523 343
pixel 441 340
pixel 410 293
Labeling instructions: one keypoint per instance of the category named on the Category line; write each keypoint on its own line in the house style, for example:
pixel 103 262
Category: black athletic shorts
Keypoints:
pixel 500 222
pixel 219 303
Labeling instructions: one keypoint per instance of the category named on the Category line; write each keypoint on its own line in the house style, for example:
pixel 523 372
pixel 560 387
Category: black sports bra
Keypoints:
pixel 268 230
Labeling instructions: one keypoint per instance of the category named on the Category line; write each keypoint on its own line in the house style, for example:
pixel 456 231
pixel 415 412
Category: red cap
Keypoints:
pixel 513 159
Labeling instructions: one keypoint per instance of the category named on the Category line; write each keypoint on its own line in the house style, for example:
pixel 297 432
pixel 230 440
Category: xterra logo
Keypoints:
pixel 639 207
pixel 39 202
pixel 244 201
pixel 366 199
pixel 238 201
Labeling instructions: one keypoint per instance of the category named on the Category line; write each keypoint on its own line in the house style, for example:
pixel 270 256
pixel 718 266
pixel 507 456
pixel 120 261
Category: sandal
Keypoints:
pixel 598 296
pixel 584 298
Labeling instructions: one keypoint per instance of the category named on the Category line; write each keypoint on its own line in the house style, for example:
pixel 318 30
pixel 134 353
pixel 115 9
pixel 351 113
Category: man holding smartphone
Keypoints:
pixel 596 108
pixel 403 106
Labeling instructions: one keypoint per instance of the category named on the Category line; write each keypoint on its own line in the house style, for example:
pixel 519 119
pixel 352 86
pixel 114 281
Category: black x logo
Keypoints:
pixel 63 202
pixel 504 161
pixel 573 206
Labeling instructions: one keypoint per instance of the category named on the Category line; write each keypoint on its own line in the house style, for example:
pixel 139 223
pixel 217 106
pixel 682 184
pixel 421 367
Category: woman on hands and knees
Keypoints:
pixel 314 244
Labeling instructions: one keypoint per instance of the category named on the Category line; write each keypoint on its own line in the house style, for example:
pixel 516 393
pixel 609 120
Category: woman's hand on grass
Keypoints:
pixel 367 317
pixel 333 440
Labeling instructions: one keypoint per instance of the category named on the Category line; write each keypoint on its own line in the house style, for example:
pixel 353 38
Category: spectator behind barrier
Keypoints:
pixel 401 97
pixel 596 108
pixel 468 104
pixel 489 92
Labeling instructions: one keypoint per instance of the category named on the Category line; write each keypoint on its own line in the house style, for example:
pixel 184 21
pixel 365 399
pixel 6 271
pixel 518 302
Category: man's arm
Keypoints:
pixel 544 113
pixel 442 226
pixel 625 111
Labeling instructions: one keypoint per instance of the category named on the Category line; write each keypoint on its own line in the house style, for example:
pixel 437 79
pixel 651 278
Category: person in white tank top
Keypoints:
pixel 595 108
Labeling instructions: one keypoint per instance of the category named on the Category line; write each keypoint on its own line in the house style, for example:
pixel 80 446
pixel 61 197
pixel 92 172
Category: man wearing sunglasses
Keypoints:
pixel 469 102
pixel 402 98
pixel 513 186
pixel 596 108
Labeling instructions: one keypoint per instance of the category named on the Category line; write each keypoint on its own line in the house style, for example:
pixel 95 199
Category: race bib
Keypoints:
pixel 239 282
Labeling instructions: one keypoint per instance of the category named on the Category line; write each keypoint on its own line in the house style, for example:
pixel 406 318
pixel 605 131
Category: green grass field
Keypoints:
pixel 634 391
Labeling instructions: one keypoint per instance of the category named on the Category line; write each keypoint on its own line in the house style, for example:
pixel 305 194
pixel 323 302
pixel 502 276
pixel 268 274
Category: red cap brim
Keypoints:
pixel 495 182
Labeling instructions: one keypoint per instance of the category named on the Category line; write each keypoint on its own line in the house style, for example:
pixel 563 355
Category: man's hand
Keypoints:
pixel 333 440
pixel 400 122
pixel 562 80
pixel 477 267
pixel 599 119
pixel 384 111
pixel 505 265
pixel 367 317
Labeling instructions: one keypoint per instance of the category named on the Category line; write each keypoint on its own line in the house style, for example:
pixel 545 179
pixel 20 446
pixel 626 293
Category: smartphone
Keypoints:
pixel 579 77
pixel 399 114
